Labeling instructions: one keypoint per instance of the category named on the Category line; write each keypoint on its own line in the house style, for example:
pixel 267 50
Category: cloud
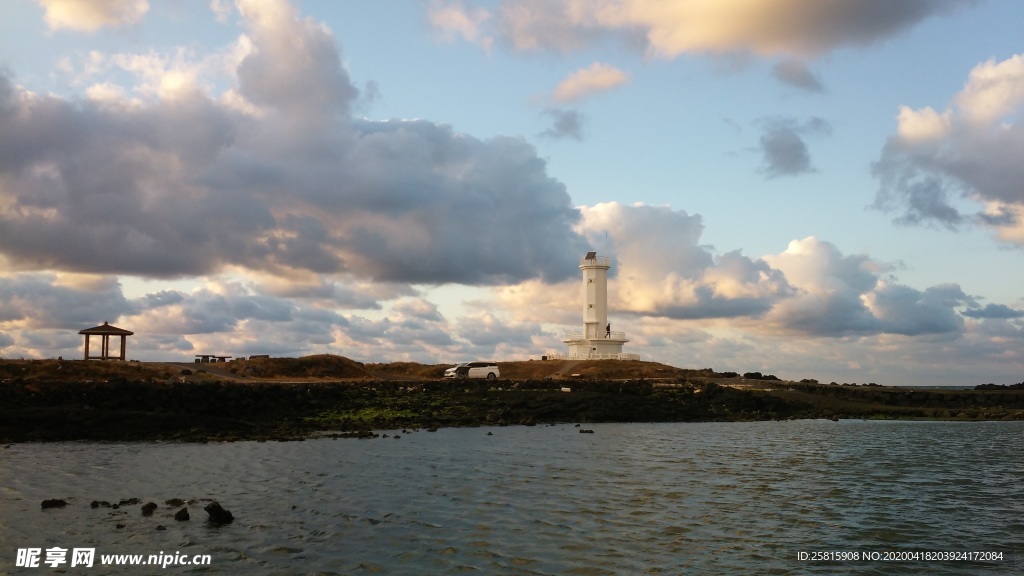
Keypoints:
pixel 455 20
pixel 830 286
pixel 668 29
pixel 298 78
pixel 795 73
pixel 598 77
pixel 783 148
pixel 660 269
pixel 997 311
pixel 940 164
pixel 40 301
pixel 488 332
pixel 838 295
pixel 273 177
pixel 565 124
pixel 91 15
pixel 221 9
pixel 910 312
pixel 662 273
pixel 785 153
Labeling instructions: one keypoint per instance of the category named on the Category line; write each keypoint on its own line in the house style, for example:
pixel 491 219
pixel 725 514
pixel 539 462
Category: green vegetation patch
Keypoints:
pixel 368 414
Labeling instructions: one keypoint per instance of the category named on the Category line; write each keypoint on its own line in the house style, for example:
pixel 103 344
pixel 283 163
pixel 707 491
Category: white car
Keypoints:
pixel 487 370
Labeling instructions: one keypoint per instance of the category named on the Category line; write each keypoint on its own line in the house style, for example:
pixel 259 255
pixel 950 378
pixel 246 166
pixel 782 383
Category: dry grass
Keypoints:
pixel 340 368
pixel 80 370
pixel 603 369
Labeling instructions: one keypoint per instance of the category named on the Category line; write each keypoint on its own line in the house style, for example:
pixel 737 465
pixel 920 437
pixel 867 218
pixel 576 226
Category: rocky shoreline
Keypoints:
pixel 122 409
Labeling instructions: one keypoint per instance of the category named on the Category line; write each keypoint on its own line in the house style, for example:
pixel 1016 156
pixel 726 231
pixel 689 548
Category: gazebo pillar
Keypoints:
pixel 105 332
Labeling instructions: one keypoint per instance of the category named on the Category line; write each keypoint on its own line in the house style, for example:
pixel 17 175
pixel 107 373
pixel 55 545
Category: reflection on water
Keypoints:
pixel 628 499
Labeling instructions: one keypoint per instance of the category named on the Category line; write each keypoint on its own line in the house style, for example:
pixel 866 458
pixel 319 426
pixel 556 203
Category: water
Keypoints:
pixel 728 498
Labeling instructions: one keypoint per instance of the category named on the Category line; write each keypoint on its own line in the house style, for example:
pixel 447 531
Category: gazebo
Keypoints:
pixel 105 332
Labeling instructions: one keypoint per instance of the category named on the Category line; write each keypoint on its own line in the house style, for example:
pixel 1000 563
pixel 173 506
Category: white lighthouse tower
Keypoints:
pixel 597 340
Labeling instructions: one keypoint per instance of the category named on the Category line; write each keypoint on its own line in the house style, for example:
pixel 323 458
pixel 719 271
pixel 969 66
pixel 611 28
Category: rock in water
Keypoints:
pixel 181 515
pixel 54 503
pixel 218 514
pixel 148 508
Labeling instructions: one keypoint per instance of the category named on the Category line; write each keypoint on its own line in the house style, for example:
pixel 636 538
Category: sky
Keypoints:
pixel 828 189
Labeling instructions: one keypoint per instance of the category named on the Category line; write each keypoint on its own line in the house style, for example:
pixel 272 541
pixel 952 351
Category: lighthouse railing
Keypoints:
pixel 599 261
pixel 601 335
pixel 556 355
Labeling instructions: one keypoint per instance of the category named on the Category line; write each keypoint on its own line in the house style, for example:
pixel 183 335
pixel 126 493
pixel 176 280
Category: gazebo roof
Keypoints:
pixel 106 329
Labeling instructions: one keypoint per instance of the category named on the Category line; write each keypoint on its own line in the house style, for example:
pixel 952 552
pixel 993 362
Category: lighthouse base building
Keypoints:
pixel 597 341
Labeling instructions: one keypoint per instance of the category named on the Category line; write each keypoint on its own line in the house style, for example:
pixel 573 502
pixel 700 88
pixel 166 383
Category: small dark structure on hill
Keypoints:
pixel 207 358
pixel 105 332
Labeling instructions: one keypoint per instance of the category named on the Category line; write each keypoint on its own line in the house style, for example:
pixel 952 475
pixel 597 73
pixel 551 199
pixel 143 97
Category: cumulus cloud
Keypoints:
pixel 598 77
pixel 830 288
pixel 782 145
pixel 910 312
pixel 660 269
pixel 273 177
pixel 668 29
pixel 662 273
pixel 564 124
pixel 795 73
pixel 839 295
pixel 90 15
pixel 941 166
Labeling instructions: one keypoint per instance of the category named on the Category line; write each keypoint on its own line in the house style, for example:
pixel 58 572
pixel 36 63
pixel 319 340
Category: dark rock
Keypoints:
pixel 181 515
pixel 94 504
pixel 54 503
pixel 161 527
pixel 218 514
pixel 130 501
pixel 585 431
pixel 148 508
pixel 175 502
pixel 119 526
pixel 397 436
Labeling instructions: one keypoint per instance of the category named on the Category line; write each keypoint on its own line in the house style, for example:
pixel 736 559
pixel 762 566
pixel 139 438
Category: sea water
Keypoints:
pixel 815 497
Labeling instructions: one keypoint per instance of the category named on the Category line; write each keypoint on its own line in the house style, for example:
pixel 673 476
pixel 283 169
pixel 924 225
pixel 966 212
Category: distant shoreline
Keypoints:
pixel 55 408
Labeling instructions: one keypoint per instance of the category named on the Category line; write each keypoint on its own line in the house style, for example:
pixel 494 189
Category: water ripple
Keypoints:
pixel 628 499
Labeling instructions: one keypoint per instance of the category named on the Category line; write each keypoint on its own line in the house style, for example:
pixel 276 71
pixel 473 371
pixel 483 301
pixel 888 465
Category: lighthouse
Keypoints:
pixel 597 340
